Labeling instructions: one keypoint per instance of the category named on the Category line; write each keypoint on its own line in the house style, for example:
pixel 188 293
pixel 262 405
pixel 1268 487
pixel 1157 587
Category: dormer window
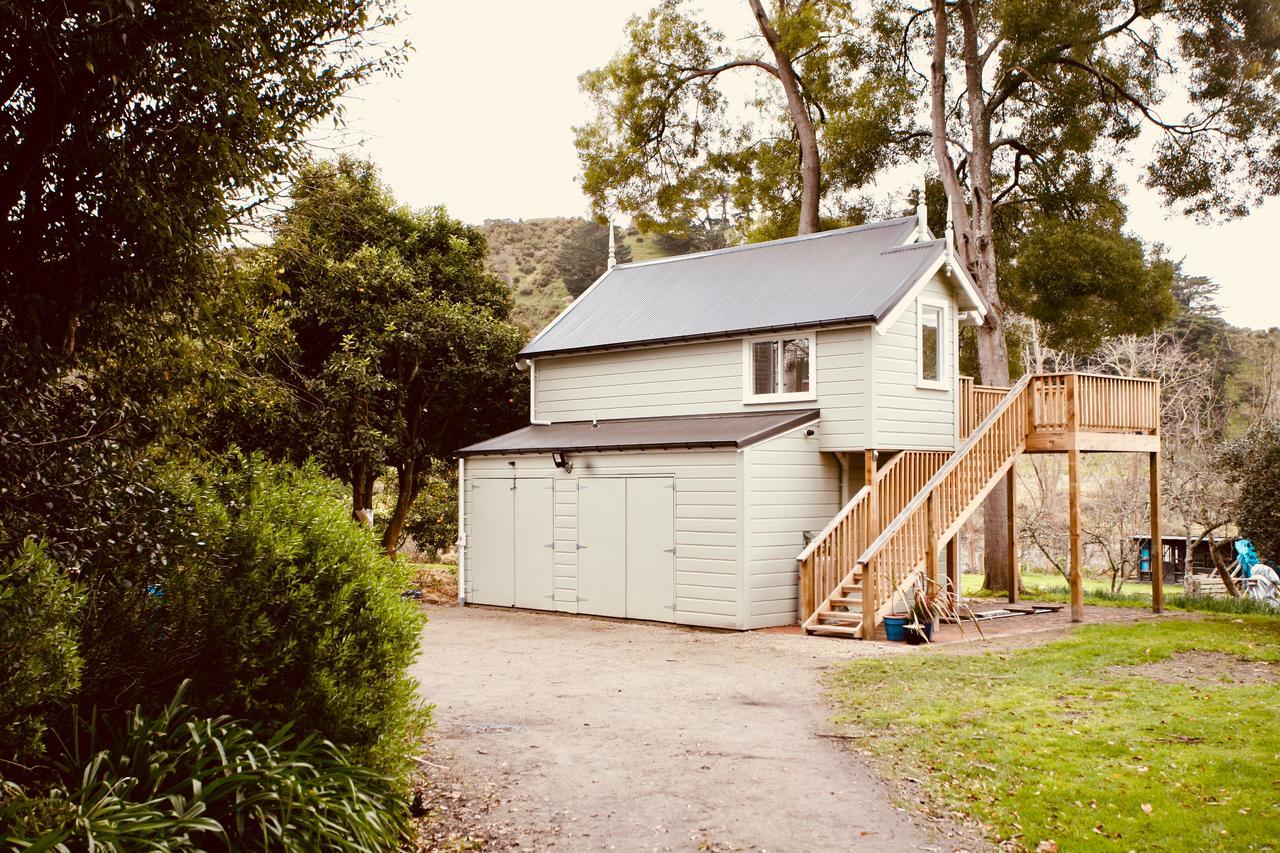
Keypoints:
pixel 779 368
pixel 931 328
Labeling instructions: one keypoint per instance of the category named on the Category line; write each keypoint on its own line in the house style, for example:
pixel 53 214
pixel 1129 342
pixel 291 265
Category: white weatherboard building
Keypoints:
pixel 696 420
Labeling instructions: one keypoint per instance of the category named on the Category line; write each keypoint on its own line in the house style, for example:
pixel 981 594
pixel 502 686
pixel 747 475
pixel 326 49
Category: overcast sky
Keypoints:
pixel 480 121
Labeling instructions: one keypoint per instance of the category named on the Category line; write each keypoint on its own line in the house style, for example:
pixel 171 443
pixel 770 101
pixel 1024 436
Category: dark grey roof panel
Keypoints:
pixel 730 430
pixel 846 276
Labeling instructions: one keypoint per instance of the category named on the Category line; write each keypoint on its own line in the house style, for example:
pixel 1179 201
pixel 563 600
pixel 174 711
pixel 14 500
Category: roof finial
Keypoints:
pixel 922 211
pixel 613 254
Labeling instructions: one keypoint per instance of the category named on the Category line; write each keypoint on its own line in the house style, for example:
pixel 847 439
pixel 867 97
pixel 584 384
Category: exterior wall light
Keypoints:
pixel 557 457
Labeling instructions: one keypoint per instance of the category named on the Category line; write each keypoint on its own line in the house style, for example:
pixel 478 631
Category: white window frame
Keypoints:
pixel 943 382
pixel 748 383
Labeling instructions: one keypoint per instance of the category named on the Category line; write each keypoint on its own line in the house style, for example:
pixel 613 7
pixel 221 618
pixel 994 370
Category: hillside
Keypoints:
pixel 523 254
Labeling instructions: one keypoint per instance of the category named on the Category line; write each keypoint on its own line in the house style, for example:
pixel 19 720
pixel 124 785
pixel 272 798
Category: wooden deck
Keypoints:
pixel 894 530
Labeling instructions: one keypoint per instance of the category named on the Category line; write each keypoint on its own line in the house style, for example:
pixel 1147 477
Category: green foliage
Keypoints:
pixel 129 146
pixel 584 255
pixel 433 520
pixel 1076 742
pixel 1087 281
pixel 1253 463
pixel 273 604
pixel 668 145
pixel 176 780
pixel 401 349
pixel 41 663
pixel 514 246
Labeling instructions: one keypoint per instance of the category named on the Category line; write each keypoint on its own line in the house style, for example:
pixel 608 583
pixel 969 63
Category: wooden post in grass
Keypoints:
pixel 1010 512
pixel 1157 544
pixel 1073 507
pixel 1077 556
pixel 931 542
pixel 953 565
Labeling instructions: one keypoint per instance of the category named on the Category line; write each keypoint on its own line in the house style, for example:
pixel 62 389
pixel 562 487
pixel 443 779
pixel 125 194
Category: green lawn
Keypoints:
pixel 1038 583
pixel 1053 743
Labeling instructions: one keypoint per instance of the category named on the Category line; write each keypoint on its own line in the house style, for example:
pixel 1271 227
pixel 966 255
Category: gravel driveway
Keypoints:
pixel 585 734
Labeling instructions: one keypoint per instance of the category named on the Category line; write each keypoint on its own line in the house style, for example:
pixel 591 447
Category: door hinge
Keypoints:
pixel 668 550
pixel 581 546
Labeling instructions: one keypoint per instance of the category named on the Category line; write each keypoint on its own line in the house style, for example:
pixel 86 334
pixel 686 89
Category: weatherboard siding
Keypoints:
pixel 906 416
pixel 791 487
pixel 700 379
pixel 708 522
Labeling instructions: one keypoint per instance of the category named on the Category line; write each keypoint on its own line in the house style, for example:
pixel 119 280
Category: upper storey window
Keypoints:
pixel 932 342
pixel 779 368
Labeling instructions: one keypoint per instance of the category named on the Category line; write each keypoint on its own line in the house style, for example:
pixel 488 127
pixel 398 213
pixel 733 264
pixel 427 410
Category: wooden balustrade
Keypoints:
pixel 976 402
pixel 901 549
pixel 826 562
pixel 919 500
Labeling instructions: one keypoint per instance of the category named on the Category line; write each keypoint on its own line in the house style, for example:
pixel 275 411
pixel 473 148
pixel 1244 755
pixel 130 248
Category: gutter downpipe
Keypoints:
pixel 462 531
pixel 533 391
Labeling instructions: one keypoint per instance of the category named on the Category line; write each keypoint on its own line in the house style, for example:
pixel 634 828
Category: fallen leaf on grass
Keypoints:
pixel 1146 807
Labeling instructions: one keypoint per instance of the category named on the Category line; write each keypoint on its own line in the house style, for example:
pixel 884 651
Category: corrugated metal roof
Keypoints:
pixel 845 276
pixel 730 430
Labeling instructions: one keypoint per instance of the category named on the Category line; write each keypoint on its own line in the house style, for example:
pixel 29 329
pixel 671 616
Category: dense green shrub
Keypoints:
pixel 130 781
pixel 39 660
pixel 276 606
pixel 1253 463
pixel 433 518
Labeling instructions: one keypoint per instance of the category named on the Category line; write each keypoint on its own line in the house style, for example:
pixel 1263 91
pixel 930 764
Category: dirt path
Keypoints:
pixel 580 734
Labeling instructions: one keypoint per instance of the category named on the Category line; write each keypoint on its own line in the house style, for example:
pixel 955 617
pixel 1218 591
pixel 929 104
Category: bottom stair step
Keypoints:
pixel 834 630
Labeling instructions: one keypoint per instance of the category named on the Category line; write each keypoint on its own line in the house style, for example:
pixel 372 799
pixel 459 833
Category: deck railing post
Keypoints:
pixel 869 603
pixel 807 603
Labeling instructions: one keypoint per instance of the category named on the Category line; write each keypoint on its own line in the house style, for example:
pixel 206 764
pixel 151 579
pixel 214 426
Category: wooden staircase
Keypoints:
pixel 871 554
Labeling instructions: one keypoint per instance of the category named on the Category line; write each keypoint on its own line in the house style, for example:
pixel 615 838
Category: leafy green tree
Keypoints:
pixel 403 349
pixel 134 136
pixel 666 143
pixel 1025 99
pixel 682 238
pixel 1253 463
pixel 433 521
pixel 584 255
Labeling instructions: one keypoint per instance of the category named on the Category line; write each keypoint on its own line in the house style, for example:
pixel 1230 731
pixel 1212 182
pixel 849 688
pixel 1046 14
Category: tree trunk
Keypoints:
pixel 974 223
pixel 358 496
pixel 810 164
pixel 406 494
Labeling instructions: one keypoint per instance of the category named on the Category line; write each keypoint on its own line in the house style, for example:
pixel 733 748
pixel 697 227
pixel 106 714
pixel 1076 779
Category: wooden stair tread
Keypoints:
pixel 835 630
pixel 846 602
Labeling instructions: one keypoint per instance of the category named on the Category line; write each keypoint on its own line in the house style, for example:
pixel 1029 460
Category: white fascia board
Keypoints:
pixel 962 279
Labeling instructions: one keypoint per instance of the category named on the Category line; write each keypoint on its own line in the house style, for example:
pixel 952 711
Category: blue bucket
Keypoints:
pixel 893 628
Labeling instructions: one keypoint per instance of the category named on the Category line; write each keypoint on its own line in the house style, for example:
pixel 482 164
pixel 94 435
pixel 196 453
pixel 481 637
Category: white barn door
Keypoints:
pixel 651 561
pixel 534 542
pixel 602 546
pixel 491 545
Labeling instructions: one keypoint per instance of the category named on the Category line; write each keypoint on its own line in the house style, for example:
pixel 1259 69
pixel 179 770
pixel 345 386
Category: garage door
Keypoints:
pixel 626 554
pixel 509 551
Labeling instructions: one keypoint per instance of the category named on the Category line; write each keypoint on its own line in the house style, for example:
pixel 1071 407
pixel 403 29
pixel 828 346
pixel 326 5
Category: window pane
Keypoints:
pixel 930 343
pixel 764 367
pixel 795 365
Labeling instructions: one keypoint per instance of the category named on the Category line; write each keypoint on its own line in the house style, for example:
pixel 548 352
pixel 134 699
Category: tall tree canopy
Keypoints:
pixel 133 134
pixel 1030 102
pixel 584 256
pixel 669 142
pixel 402 352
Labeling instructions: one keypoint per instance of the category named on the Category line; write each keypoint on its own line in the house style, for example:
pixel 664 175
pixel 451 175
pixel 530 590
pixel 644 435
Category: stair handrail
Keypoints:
pixel 816 541
pixel 1015 393
pixel 849 507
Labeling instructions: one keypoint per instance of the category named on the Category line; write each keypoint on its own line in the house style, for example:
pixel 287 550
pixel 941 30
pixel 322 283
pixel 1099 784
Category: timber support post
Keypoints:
pixel 1011 511
pixel 953 565
pixel 1157 544
pixel 1073 508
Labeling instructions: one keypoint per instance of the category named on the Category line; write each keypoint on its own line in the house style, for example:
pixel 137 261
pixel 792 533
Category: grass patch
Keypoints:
pixel 1061 742
pixel 1098 592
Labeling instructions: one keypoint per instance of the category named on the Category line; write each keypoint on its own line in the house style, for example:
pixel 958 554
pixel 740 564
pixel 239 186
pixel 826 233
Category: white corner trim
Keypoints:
pixel 944 344
pixel 462 530
pixel 533 395
pixel 750 397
